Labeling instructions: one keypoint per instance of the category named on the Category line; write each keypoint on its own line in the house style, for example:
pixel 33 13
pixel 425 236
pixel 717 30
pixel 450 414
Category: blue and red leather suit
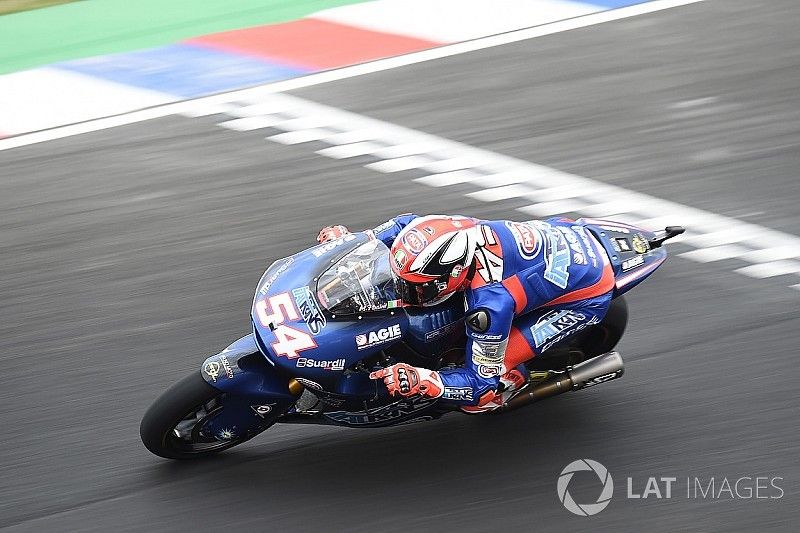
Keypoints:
pixel 534 284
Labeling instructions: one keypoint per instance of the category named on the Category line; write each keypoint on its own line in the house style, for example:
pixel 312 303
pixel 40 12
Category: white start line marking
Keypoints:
pixel 441 162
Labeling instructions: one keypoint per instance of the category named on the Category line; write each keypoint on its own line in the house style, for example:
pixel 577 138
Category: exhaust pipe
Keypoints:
pixel 591 372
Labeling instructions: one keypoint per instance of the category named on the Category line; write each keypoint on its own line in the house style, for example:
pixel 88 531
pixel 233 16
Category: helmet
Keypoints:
pixel 431 258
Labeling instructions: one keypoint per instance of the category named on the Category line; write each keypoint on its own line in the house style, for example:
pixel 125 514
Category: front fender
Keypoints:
pixel 242 370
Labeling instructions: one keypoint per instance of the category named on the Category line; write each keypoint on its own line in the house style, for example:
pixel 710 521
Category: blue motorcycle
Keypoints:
pixel 326 317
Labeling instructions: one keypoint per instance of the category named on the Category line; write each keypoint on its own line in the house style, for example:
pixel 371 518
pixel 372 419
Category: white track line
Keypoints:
pixel 191 106
pixel 390 149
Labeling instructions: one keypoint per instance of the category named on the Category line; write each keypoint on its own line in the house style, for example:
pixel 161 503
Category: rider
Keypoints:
pixel 527 286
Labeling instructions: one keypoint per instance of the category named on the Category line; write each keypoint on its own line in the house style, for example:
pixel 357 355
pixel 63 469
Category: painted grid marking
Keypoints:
pixel 765 252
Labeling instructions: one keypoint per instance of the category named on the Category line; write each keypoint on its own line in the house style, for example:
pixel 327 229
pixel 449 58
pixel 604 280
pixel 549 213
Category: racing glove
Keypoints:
pixel 331 233
pixel 407 380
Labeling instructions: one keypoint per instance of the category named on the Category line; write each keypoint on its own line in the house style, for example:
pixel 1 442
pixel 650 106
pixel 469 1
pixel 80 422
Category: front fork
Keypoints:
pixel 255 392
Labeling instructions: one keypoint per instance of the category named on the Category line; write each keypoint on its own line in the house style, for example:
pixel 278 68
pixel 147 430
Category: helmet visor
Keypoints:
pixel 417 293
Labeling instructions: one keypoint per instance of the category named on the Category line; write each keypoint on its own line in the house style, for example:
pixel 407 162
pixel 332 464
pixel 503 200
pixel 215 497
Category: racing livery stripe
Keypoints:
pixel 514 287
pixel 313 44
pixel 602 286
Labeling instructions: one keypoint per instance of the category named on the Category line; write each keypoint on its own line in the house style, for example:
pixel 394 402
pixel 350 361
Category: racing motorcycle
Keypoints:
pixel 324 318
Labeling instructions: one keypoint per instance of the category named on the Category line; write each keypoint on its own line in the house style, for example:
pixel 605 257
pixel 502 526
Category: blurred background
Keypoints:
pixel 156 157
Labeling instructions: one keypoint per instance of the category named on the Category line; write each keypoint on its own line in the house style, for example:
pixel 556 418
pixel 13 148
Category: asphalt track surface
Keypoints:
pixel 130 254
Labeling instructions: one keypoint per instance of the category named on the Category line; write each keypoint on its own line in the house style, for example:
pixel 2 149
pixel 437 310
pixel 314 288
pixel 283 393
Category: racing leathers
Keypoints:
pixel 534 283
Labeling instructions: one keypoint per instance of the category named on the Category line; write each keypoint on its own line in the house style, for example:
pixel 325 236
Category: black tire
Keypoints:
pixel 177 403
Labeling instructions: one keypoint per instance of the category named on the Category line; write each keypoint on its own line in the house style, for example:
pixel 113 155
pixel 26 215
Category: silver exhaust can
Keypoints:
pixel 597 370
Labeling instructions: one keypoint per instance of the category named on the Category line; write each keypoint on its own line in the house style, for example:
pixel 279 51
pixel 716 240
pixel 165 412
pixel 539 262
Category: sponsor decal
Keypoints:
pixel 528 237
pixel 580 247
pixel 262 410
pixel 381 336
pixel 558 325
pixel 615 228
pixel 600 379
pixel 588 245
pixel 384 413
pixel 633 262
pixel 640 244
pixel 212 368
pixel 227 366
pixel 400 258
pixel 488 353
pixel 622 244
pixel 457 270
pixel 485 337
pixel 442 331
pixel 309 310
pixel 337 364
pixel 457 393
pixel 323 249
pixel 489 371
pixel 553 323
pixel 415 241
pixel 557 256
pixel 478 321
pixel 281 269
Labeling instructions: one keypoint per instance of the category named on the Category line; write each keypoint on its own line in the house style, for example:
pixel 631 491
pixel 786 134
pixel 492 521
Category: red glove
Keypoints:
pixel 331 233
pixel 408 380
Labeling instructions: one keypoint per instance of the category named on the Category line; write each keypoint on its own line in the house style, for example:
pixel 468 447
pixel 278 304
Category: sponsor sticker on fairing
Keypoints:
pixel 335 365
pixel 378 337
pixel 264 289
pixel 227 366
pixel 212 369
pixel 309 310
pixel 640 244
pixel 633 262
pixel 322 249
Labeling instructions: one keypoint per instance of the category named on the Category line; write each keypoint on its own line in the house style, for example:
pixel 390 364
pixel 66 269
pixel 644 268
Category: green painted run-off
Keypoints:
pixel 94 27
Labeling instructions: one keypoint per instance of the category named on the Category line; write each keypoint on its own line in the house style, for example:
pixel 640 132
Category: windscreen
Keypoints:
pixel 360 282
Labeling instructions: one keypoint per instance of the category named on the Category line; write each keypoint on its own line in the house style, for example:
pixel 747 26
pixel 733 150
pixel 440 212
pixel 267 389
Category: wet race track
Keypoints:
pixel 130 254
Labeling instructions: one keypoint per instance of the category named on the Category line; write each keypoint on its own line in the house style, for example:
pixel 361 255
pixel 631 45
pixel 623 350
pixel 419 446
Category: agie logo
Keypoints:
pixel 374 338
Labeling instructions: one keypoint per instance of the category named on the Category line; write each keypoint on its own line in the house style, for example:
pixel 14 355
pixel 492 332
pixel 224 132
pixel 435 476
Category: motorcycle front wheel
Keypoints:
pixel 174 425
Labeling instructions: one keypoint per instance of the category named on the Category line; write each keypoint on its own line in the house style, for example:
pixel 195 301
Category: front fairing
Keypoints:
pixel 297 331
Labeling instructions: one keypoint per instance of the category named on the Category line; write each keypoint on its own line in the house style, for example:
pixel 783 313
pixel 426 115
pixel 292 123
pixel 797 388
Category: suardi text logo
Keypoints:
pixel 585 509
